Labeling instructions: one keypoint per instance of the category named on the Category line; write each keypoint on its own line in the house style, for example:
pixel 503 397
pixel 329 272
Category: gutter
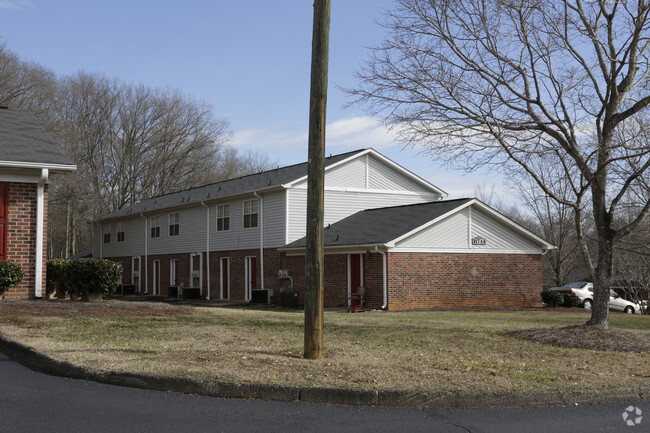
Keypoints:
pixel 261 220
pixel 207 244
pixel 146 257
pixel 384 276
pixel 40 216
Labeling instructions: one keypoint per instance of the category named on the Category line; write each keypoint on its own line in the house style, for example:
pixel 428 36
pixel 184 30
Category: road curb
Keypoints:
pixel 34 359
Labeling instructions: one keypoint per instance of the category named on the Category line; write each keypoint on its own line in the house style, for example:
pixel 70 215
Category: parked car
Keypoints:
pixel 585 292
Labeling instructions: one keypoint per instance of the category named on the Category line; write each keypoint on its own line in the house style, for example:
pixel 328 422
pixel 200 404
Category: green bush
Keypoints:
pixel 85 277
pixel 10 275
pixel 555 299
pixel 570 300
pixel 552 298
pixel 57 276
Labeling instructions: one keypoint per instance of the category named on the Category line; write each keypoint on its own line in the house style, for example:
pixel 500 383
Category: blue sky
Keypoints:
pixel 249 59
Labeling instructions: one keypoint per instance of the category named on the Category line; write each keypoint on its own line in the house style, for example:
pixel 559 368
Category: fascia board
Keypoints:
pixel 38 165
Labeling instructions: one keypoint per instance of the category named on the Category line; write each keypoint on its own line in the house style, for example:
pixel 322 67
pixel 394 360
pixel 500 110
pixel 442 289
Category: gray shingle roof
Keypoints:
pixel 265 180
pixel 24 140
pixel 380 226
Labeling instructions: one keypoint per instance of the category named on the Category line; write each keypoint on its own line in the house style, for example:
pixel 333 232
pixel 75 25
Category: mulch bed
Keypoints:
pixel 588 337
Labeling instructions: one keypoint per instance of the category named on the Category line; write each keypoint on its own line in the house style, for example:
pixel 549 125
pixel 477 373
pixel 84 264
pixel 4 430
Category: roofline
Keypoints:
pixel 38 165
pixel 335 248
pixel 188 204
pixel 390 162
pixel 494 213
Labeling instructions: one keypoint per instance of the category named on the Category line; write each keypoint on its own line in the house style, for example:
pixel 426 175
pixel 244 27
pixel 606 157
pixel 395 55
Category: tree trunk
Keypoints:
pixel 603 273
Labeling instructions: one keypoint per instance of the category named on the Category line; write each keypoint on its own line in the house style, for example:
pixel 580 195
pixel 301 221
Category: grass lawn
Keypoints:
pixel 438 351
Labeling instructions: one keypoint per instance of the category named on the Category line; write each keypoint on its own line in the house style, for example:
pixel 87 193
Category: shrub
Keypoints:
pixel 86 277
pixel 552 298
pixel 10 275
pixel 57 277
pixel 93 277
pixel 570 300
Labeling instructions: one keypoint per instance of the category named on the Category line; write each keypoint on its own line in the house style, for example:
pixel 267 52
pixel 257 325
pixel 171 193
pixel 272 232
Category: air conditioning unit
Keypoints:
pixel 283 273
pixel 261 296
pixel 196 274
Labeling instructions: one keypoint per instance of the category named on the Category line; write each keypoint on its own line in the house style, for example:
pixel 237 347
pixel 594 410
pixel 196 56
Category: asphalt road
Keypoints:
pixel 34 402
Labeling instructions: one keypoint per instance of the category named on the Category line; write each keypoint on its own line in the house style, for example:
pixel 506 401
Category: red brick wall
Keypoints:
pixel 21 237
pixel 415 280
pixel 420 281
pixel 336 279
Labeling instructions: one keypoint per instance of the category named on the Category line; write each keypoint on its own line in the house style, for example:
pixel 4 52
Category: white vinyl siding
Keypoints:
pixel 451 232
pixel 133 244
pixel 192 232
pixel 382 177
pixel 371 173
pixel 350 175
pixel 454 233
pixel 340 204
pixel 498 236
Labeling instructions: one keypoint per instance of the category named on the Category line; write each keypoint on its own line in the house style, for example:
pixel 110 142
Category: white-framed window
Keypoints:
pixel 107 233
pixel 154 224
pixel 251 212
pixel 223 217
pixel 174 224
pixel 120 232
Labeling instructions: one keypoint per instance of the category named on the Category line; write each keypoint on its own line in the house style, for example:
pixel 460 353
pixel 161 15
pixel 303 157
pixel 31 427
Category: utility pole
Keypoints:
pixel 314 251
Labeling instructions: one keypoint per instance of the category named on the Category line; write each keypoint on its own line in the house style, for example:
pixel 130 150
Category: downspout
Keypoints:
pixel 261 199
pixel 207 244
pixel 146 257
pixel 385 276
pixel 40 216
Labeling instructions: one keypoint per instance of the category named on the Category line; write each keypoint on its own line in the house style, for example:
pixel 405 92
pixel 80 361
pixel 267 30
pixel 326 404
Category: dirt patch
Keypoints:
pixel 13 310
pixel 587 337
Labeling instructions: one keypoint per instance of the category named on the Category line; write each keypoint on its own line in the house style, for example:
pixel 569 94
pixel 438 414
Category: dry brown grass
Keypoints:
pixel 442 351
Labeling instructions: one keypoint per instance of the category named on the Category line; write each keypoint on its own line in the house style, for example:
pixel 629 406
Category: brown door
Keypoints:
pixel 4 202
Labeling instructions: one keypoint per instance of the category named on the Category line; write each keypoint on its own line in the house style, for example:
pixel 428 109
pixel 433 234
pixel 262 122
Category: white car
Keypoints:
pixel 585 292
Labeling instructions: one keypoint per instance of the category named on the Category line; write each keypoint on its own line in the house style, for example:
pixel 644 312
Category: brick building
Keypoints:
pixel 27 159
pixel 391 241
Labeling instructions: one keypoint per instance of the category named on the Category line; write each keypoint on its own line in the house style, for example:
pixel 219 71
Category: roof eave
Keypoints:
pixel 38 165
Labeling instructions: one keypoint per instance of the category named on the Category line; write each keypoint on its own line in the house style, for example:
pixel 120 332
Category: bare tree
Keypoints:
pixel 531 84
pixel 134 142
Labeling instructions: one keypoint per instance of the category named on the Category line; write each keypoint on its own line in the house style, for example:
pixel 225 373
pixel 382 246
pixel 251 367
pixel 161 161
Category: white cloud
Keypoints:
pixel 16 4
pixel 342 136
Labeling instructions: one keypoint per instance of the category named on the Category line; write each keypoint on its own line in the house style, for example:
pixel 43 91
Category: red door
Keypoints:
pixel 225 277
pixel 4 203
pixel 356 278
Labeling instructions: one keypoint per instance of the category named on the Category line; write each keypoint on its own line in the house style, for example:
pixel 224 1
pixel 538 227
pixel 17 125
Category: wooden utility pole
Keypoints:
pixel 314 254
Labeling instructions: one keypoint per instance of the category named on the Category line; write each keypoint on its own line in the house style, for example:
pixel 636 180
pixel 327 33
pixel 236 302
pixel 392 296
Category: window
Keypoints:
pixel 251 209
pixel 174 225
pixel 120 232
pixel 107 233
pixel 223 217
pixel 154 223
